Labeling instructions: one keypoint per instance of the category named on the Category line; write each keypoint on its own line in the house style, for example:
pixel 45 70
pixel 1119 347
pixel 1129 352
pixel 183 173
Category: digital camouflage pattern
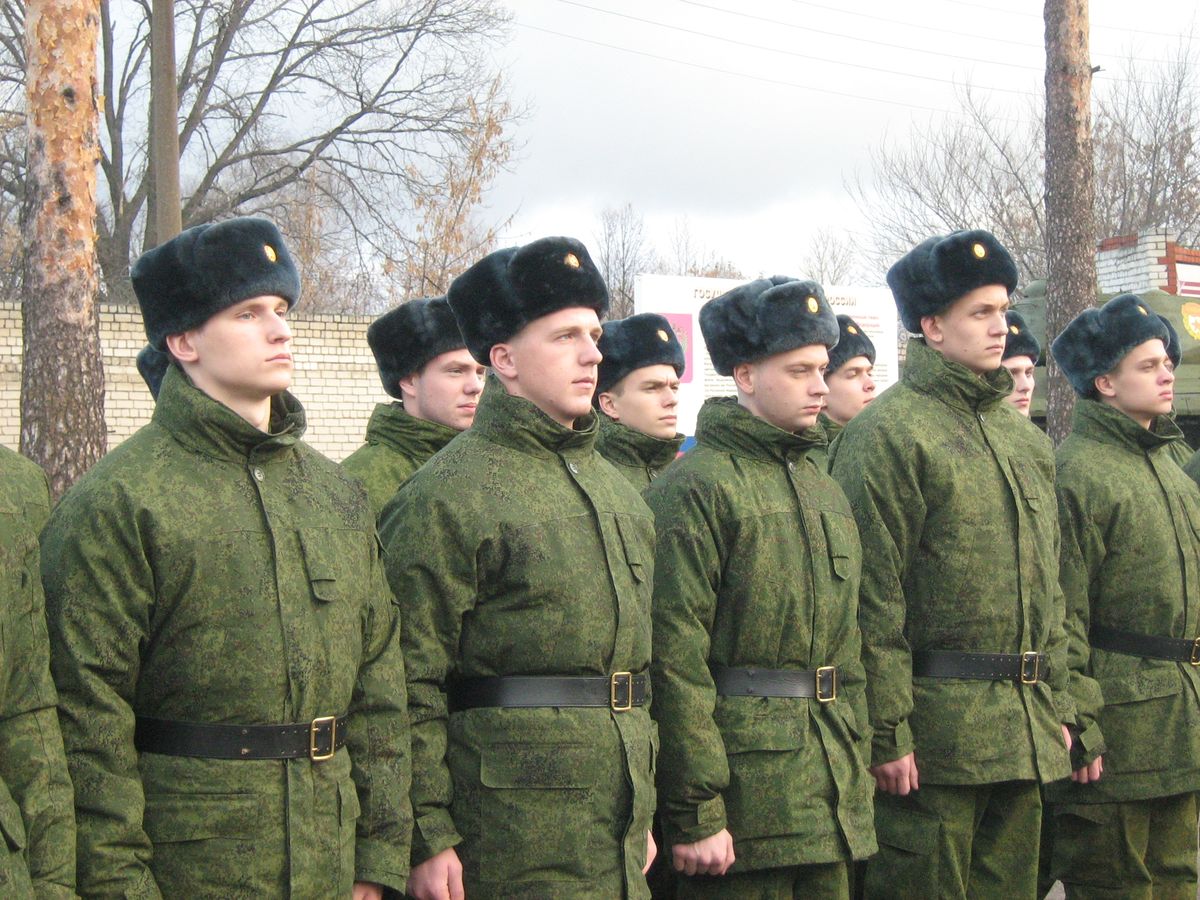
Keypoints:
pixel 397 445
pixel 639 457
pixel 204 571
pixel 758 566
pixel 525 553
pixel 1130 524
pixel 830 430
pixel 1192 466
pixel 37 856
pixel 953 493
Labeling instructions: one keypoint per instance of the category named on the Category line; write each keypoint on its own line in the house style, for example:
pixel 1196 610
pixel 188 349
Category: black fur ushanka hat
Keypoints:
pixel 634 343
pixel 152 366
pixel 1020 340
pixel 936 272
pixel 508 289
pixel 852 342
pixel 182 283
pixel 765 317
pixel 405 338
pixel 1096 340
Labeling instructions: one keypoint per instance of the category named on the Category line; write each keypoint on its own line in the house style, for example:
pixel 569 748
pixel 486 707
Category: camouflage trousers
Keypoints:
pixel 828 881
pixel 957 841
pixel 1136 850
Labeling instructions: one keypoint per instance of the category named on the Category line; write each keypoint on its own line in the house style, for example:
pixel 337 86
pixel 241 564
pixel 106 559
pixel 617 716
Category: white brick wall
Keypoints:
pixel 1135 268
pixel 335 377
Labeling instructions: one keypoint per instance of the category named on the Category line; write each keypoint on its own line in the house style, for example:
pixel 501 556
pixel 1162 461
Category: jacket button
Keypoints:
pixel 574 468
pixel 653 474
pixel 258 473
pixel 791 465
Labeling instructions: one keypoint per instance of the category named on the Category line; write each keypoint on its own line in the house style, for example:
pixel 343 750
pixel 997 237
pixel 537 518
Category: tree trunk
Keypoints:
pixel 62 381
pixel 1070 189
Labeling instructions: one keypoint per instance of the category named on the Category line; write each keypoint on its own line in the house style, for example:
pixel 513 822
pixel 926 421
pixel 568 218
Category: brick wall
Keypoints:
pixel 335 377
pixel 1136 262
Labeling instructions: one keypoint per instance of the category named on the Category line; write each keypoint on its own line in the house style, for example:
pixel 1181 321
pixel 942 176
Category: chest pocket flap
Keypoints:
pixel 330 558
pixel 841 537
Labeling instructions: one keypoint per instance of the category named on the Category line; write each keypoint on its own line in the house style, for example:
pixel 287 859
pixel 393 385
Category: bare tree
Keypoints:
pixel 62 378
pixel 690 256
pixel 623 252
pixel 831 258
pixel 1070 190
pixel 376 96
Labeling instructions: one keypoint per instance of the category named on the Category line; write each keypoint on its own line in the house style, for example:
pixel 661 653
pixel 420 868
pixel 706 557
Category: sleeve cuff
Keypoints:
pixel 433 833
pixel 703 820
pixel 891 744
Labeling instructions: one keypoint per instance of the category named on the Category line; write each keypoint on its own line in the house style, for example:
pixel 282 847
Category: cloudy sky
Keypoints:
pixel 747 117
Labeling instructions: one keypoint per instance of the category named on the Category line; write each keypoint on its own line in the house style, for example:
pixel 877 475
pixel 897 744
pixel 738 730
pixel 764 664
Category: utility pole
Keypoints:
pixel 1070 189
pixel 166 221
pixel 62 374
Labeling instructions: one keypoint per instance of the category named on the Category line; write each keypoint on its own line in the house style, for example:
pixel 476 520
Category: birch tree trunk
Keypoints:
pixel 62 380
pixel 1070 189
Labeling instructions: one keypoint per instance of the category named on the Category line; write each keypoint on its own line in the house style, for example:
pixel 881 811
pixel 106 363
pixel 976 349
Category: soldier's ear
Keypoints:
pixel 605 401
pixel 504 362
pixel 931 327
pixel 1104 385
pixel 182 347
pixel 743 377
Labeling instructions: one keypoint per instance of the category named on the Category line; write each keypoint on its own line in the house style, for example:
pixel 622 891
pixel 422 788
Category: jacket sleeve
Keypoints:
pixel 693 769
pixel 32 763
pixel 378 739
pixel 1081 553
pixel 883 485
pixel 99 592
pixel 430 565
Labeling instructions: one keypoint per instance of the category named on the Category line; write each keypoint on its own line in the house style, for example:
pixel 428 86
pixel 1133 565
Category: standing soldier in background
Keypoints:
pixel 758 685
pixel 637 392
pixel 224 643
pixel 849 380
pixel 37 857
pixel 525 583
pixel 1131 576
pixel 960 609
pixel 424 364
pixel 1021 354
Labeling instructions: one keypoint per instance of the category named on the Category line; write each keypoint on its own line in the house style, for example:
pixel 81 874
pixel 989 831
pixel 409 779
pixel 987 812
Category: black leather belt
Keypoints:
pixel 620 691
pixel 1025 668
pixel 1145 645
pixel 820 684
pixel 318 739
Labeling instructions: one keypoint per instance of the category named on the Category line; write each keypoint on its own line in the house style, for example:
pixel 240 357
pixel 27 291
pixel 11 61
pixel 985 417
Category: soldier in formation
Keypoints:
pixel 1021 354
pixel 851 387
pixel 424 364
pixel 224 644
pixel 524 584
pixel 637 393
pixel 758 686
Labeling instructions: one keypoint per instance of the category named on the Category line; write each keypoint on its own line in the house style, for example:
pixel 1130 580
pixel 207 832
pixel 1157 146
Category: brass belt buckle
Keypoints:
pixel 826 675
pixel 618 682
pixel 1028 659
pixel 314 729
pixel 1195 657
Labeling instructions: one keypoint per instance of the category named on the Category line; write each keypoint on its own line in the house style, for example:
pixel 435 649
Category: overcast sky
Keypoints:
pixel 748 116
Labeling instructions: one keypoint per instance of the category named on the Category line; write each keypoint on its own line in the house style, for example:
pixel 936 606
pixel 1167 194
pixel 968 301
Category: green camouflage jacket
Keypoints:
pixel 1130 524
pixel 639 457
pixel 37 857
pixel 954 496
pixel 397 445
pixel 758 566
pixel 525 553
pixel 820 450
pixel 204 571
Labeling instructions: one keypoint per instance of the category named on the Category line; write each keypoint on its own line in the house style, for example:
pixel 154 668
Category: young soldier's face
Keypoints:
pixel 972 330
pixel 645 400
pixel 787 389
pixel 1142 385
pixel 851 388
pixel 1021 369
pixel 446 390
pixel 552 363
pixel 242 353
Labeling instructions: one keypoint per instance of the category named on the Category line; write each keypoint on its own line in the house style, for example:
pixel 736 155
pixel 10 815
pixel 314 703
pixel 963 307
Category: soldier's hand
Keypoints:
pixel 651 852
pixel 438 878
pixel 1088 772
pixel 898 776
pixel 711 856
pixel 366 890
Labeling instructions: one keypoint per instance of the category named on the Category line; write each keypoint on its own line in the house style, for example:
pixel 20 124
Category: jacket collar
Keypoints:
pixel 1102 422
pixel 929 372
pixel 207 426
pixel 516 423
pixel 726 425
pixel 832 428
pixel 393 426
pixel 628 446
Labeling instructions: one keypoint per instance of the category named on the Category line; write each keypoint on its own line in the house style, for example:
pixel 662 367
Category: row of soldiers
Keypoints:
pixel 846 644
